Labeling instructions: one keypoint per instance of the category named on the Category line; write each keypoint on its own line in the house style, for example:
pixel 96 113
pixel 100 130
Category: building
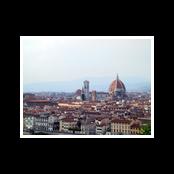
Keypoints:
pixel 102 129
pixel 41 122
pixel 28 122
pixel 102 125
pixel 66 124
pixel 117 89
pixel 88 127
pixel 83 94
pixel 53 123
pixel 135 129
pixel 72 105
pixel 120 126
pixel 28 96
pixel 86 89
pixel 40 103
pixel 78 94
pixel 94 95
pixel 102 95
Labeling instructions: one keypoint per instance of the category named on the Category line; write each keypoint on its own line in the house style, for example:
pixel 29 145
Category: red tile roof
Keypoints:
pixel 135 126
pixel 68 120
pixel 102 124
pixel 124 121
pixel 39 101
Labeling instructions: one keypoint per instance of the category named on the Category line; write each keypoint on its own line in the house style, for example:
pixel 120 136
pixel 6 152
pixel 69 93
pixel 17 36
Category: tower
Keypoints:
pixel 93 95
pixel 82 94
pixel 86 89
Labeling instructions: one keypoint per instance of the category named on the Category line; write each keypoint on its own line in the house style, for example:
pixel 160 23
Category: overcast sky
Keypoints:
pixel 64 59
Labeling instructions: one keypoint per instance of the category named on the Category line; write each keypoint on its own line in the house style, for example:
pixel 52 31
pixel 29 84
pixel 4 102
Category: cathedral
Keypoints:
pixel 117 89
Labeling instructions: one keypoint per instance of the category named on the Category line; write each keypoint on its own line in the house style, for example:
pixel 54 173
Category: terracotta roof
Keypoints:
pixel 135 126
pixel 39 101
pixel 68 120
pixel 90 112
pixel 99 118
pixel 116 84
pixel 117 120
pixel 102 124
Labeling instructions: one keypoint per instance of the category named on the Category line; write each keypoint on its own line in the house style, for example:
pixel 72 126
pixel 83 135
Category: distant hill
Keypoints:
pixel 99 84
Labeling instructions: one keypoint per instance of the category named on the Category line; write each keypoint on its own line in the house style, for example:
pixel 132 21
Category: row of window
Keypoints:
pixel 41 128
pixel 99 128
pixel 125 131
pixel 117 130
pixel 114 124
pixel 123 126
pixel 42 120
pixel 41 124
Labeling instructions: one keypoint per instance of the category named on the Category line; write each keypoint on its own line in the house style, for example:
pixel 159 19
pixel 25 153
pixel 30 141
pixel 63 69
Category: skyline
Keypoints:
pixel 56 59
pixel 62 64
pixel 99 84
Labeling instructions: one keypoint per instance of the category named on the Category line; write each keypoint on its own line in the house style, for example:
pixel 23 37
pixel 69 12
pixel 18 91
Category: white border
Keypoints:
pixel 21 87
pixel 152 87
pixel 89 136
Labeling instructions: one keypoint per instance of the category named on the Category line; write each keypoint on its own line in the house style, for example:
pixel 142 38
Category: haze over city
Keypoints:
pixel 63 63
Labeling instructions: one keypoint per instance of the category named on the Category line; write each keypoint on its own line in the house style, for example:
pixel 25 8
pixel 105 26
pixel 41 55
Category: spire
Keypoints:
pixel 117 77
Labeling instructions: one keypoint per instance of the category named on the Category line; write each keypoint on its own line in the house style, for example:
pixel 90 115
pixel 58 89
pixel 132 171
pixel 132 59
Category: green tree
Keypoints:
pixel 74 129
pixel 145 130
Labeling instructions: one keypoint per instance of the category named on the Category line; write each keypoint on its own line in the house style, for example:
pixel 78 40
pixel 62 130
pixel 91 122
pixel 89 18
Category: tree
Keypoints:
pixel 31 131
pixel 74 129
pixel 145 130
pixel 78 124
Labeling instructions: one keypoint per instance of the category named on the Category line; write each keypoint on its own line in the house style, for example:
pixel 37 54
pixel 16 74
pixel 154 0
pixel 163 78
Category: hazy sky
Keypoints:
pixel 64 59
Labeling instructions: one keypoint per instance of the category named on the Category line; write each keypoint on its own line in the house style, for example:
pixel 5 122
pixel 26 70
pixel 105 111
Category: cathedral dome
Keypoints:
pixel 117 86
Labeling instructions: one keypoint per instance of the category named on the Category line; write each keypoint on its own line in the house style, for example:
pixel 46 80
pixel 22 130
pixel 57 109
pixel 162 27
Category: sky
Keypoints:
pixel 54 59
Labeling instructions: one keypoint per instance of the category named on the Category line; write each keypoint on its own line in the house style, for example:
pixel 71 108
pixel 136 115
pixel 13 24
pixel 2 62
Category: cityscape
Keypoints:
pixel 87 111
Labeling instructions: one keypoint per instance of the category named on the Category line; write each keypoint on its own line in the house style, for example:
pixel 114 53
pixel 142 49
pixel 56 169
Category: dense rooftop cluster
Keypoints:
pixel 53 114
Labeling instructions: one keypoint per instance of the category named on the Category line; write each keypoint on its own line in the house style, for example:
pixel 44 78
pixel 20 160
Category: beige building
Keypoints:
pixel 70 105
pixel 125 127
pixel 66 124
pixel 120 126
pixel 94 95
pixel 135 129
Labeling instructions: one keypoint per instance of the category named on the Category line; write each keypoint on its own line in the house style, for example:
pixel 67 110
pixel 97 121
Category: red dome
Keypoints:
pixel 117 84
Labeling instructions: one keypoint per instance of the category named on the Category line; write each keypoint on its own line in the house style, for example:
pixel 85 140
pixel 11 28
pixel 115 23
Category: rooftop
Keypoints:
pixel 124 121
pixel 38 101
